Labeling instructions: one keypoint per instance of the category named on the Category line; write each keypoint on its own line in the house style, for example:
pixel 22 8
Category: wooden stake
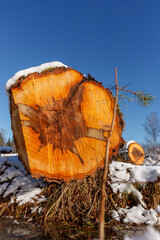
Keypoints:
pixel 105 171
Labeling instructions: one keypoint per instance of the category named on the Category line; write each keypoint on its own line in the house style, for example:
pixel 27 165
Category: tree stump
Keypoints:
pixel 60 120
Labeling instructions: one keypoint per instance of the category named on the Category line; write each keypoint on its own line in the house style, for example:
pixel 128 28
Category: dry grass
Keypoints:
pixel 79 202
pixel 75 201
pixel 151 193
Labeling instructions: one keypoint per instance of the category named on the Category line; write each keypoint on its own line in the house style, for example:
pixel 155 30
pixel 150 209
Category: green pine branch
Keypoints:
pixel 142 98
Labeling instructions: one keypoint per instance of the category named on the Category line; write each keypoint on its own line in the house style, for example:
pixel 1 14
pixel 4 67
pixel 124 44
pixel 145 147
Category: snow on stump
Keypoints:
pixel 60 120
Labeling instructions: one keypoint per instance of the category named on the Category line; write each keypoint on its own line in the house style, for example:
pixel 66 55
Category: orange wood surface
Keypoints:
pixel 60 122
pixel 136 153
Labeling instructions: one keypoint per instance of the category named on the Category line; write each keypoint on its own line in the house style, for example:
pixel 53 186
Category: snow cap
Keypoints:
pixel 27 71
pixel 126 145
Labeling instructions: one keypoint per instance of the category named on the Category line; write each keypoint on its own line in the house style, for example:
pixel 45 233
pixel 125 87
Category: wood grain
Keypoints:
pixel 136 153
pixel 60 122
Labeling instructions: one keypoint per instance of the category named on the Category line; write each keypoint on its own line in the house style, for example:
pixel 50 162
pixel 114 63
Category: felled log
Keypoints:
pixel 136 153
pixel 132 152
pixel 60 120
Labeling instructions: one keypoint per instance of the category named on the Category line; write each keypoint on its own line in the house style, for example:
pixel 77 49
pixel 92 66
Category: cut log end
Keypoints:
pixel 60 122
pixel 136 153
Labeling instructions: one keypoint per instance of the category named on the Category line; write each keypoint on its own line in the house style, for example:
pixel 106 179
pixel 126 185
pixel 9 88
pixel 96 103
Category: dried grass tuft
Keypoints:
pixel 75 201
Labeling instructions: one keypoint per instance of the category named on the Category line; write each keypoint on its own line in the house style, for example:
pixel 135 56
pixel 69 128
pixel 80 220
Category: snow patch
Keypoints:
pixel 27 71
pixel 122 177
pixel 136 215
pixel 126 172
pixel 153 158
pixel 27 196
pixel 127 188
pixel 5 149
pixel 17 183
pixel 148 234
pixel 158 209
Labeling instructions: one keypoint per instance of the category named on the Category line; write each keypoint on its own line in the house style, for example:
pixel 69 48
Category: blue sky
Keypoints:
pixel 90 36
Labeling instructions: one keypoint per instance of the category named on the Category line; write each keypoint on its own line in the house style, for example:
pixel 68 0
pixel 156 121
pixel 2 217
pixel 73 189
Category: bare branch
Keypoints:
pixel 105 171
pixel 152 128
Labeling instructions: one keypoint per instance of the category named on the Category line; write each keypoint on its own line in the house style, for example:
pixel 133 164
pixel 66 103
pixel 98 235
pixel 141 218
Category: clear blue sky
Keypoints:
pixel 89 36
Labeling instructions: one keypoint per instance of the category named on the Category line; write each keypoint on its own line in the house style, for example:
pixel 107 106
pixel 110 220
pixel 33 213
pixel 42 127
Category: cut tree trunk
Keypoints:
pixel 136 153
pixel 132 152
pixel 60 120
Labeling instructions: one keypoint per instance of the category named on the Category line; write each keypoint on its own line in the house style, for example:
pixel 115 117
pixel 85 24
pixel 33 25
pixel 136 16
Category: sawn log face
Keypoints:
pixel 64 121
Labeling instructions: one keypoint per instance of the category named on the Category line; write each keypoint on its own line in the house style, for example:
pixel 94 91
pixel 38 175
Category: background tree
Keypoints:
pixel 152 129
pixel 2 137
pixel 14 150
pixel 9 142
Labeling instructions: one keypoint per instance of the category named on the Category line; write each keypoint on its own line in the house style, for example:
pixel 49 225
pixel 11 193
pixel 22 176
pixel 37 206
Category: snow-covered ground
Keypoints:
pixel 153 158
pixel 17 184
pixel 5 149
pixel 122 178
pixel 149 234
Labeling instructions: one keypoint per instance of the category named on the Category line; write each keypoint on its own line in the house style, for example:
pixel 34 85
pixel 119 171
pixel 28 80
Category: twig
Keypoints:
pixel 105 171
